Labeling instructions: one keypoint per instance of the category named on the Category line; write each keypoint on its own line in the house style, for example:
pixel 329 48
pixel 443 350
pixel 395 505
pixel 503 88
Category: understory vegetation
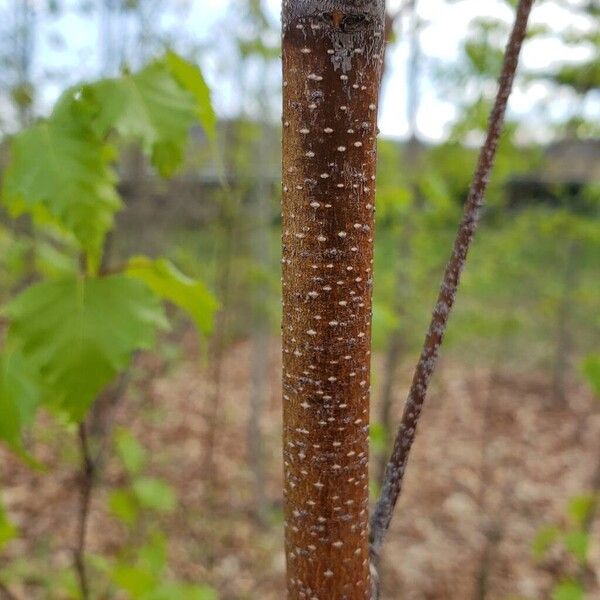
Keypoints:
pixel 140 310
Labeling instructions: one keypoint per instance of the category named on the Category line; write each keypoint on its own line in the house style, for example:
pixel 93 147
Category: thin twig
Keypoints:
pixel 86 485
pixel 395 469
pixel 101 420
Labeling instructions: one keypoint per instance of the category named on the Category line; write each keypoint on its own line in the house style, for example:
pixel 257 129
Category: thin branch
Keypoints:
pixel 101 419
pixel 395 469
pixel 88 469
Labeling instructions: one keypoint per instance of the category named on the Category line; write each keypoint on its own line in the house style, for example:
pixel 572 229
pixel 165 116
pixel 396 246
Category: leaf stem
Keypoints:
pixel 395 469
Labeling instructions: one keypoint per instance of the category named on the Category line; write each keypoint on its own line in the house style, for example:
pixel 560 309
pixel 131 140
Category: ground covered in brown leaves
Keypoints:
pixel 494 462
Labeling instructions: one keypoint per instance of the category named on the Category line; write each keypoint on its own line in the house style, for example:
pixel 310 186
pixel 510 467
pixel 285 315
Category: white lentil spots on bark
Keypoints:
pixel 332 65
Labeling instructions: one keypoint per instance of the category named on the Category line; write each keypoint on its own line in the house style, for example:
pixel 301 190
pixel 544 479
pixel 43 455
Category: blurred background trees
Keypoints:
pixel 527 316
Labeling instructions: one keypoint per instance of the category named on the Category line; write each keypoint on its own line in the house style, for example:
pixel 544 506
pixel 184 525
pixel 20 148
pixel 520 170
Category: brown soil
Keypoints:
pixel 478 488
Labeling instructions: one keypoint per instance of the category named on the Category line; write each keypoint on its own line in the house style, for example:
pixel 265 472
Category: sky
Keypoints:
pixel 446 24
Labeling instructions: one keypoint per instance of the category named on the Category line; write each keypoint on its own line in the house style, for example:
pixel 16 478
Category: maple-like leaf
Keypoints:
pixel 82 332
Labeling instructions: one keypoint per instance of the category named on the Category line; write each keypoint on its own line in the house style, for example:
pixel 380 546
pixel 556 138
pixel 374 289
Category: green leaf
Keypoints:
pixel 169 283
pixel 145 579
pixel 149 106
pixel 51 263
pixel 568 590
pixel 190 77
pixel 130 451
pixel 134 580
pixel 591 371
pixel 153 555
pixel 577 543
pixel 582 77
pixel 59 172
pixel 155 494
pixel 82 332
pixel 7 530
pixel 167 156
pixel 385 320
pixel 544 539
pixel 15 264
pixel 378 435
pixel 123 505
pixel 20 394
pixel 581 507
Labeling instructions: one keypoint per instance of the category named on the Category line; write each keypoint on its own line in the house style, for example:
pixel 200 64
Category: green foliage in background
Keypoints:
pixel 76 325
pixel 7 530
pixel 574 537
pixel 144 576
pixel 20 394
pixel 61 168
pixel 573 540
pixel 166 281
pixel 141 570
pixel 142 492
pixel 591 371
pixel 72 333
pixel 80 333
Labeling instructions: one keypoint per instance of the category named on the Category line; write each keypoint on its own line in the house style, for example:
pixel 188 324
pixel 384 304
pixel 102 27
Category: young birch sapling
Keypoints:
pixel 332 62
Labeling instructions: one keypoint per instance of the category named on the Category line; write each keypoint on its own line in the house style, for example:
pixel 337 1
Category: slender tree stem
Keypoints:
pixel 228 222
pixel 395 469
pixel 332 59
pixel 87 482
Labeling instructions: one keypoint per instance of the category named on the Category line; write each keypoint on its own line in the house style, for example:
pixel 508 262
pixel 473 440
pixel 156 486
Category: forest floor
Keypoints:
pixel 494 462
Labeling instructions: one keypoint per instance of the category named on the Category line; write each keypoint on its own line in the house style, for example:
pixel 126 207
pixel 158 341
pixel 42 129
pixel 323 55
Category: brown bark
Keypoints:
pixel 88 472
pixel 332 55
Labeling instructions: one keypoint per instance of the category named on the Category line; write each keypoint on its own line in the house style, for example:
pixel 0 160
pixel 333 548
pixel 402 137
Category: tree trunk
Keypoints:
pixel 332 56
